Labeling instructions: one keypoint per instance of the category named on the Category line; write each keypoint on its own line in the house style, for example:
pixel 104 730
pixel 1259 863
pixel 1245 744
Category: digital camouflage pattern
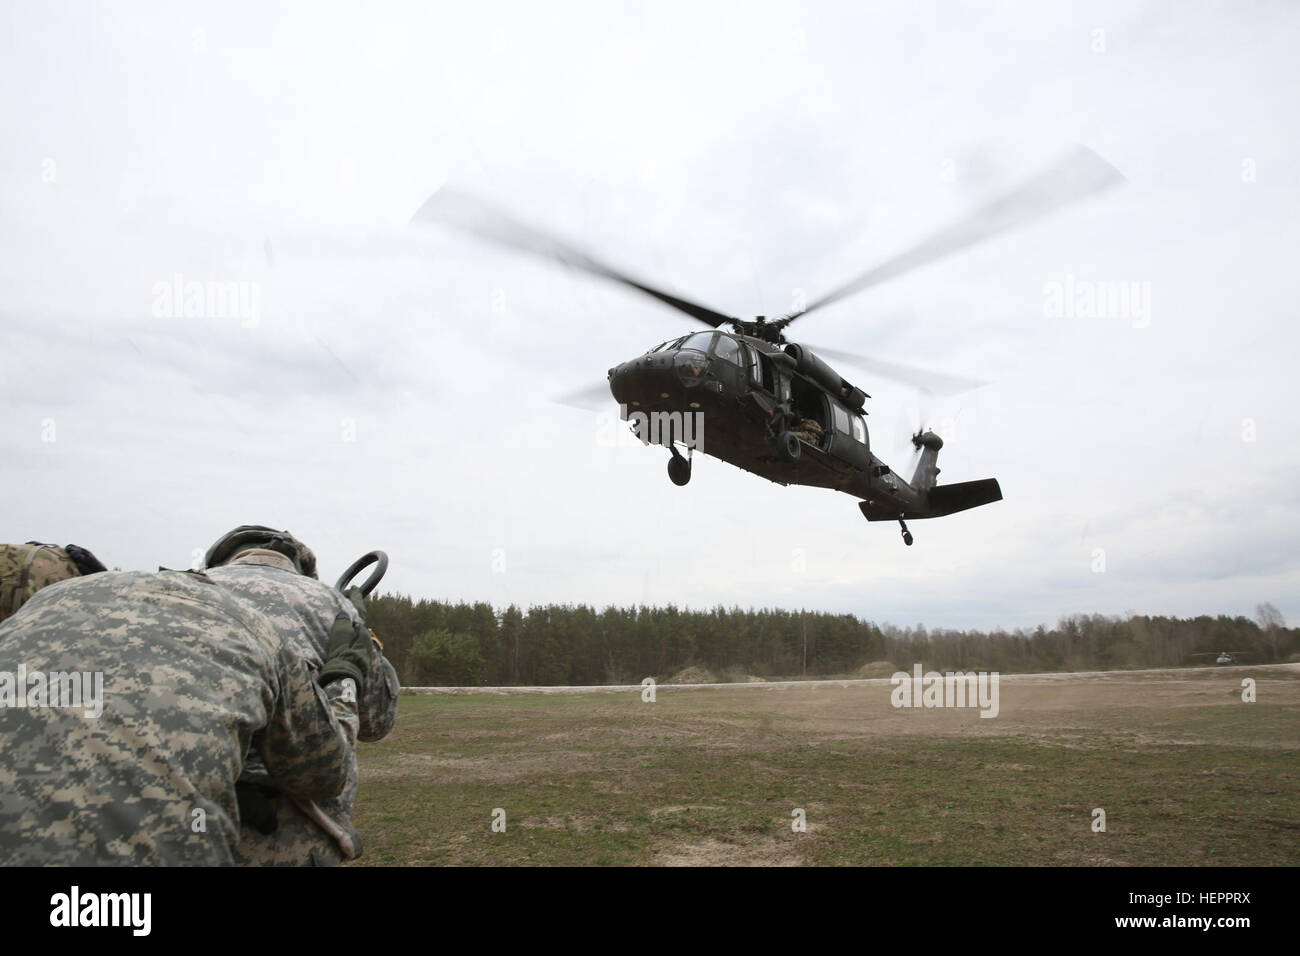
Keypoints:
pixel 303 610
pixel 192 677
pixel 306 833
pixel 26 568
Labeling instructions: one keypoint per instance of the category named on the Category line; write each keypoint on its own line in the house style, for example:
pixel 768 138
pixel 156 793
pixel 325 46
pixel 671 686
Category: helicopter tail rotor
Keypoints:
pixel 910 422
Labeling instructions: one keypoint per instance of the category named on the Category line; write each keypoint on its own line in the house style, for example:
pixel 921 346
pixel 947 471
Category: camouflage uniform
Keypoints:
pixel 26 568
pixel 302 610
pixel 810 431
pixel 191 677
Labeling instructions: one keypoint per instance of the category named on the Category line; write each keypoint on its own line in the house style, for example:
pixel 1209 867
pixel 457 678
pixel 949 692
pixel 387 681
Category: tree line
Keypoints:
pixel 433 643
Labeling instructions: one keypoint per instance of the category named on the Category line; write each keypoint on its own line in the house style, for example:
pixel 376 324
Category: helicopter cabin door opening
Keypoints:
pixel 765 384
pixel 810 421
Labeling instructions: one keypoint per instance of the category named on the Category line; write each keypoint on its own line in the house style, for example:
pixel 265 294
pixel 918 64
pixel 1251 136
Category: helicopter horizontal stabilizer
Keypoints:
pixel 939 501
pixel 962 496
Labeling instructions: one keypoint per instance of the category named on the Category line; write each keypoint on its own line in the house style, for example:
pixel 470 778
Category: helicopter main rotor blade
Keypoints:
pixel 936 383
pixel 1081 173
pixel 470 214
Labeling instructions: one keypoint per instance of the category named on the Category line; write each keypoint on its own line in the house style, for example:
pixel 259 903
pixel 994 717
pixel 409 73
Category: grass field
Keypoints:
pixel 1187 773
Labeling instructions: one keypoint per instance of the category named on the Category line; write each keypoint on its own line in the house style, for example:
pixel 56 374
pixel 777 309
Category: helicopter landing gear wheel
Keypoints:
pixel 679 469
pixel 787 446
pixel 907 535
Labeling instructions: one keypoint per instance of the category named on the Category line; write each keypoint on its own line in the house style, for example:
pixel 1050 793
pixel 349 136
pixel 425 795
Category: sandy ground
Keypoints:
pixel 1056 677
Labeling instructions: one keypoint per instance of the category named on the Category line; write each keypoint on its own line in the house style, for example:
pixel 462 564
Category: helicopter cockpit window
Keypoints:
pixel 755 368
pixel 700 340
pixel 859 429
pixel 841 418
pixel 729 349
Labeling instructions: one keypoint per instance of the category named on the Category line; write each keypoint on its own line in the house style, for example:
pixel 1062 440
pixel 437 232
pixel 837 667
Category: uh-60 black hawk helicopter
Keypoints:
pixel 773 407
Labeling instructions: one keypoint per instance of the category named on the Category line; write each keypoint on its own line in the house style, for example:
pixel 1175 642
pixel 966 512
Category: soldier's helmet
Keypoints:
pixel 249 536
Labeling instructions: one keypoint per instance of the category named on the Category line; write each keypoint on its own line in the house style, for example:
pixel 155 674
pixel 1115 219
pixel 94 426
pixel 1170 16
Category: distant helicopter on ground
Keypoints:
pixel 1224 658
pixel 776 408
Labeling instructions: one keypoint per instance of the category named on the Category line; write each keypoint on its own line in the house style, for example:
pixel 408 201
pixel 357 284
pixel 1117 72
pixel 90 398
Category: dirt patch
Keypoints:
pixel 693 675
pixel 763 851
pixel 702 675
pixel 491 770
pixel 570 824
pixel 876 669
pixel 683 808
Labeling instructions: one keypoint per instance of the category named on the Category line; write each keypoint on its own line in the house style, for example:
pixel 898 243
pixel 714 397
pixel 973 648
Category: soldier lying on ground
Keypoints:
pixel 276 573
pixel 172 679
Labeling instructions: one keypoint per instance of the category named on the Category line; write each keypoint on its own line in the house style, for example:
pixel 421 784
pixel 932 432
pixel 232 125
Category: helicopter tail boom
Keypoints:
pixel 936 502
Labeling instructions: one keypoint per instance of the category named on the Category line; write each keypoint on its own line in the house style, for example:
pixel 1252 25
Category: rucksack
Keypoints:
pixel 26 568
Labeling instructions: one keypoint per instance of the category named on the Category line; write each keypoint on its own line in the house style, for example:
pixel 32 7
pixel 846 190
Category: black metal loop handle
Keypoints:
pixel 356 567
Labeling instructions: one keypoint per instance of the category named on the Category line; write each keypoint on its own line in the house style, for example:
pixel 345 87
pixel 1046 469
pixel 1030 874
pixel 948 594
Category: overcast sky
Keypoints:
pixel 384 385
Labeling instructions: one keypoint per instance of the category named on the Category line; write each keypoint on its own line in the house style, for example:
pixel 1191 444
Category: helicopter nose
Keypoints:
pixel 644 382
